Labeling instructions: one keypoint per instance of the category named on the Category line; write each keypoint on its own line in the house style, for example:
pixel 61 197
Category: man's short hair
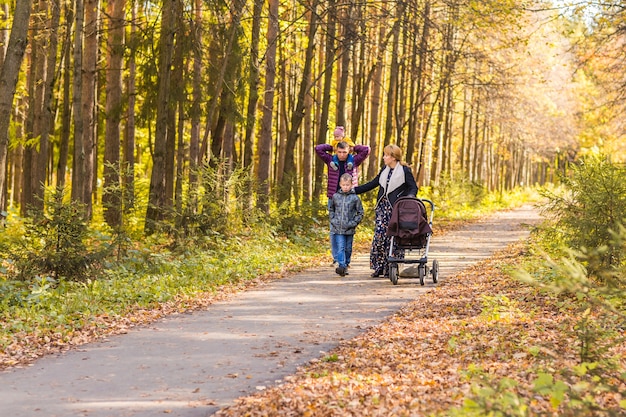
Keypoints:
pixel 343 145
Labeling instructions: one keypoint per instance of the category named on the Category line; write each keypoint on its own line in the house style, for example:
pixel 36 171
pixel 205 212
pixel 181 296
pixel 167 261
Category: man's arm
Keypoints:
pixel 361 153
pixel 322 150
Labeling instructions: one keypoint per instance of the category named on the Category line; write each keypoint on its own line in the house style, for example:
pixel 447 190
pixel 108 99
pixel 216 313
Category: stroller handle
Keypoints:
pixel 432 209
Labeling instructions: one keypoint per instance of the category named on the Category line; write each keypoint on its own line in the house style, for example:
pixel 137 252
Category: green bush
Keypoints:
pixel 54 245
pixel 589 209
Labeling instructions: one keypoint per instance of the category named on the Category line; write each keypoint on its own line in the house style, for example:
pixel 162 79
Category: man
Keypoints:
pixel 324 151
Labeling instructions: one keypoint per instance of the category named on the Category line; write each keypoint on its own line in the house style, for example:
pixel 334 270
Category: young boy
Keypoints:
pixel 346 212
pixel 340 136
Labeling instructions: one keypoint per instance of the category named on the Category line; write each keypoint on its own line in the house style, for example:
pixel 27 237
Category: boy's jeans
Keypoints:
pixel 343 243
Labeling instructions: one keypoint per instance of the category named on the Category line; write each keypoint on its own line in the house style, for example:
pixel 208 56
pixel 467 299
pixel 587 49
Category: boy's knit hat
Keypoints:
pixel 339 131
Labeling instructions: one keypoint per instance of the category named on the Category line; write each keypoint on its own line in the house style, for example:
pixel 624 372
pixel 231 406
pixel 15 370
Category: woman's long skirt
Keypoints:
pixel 379 252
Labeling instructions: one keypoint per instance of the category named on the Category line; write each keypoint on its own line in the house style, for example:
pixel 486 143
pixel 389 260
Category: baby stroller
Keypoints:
pixel 410 231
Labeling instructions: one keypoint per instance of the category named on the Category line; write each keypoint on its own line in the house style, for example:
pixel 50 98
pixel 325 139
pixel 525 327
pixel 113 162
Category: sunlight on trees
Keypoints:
pixel 499 94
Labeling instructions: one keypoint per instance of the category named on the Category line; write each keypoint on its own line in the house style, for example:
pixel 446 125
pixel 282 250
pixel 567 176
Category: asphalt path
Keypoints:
pixel 191 365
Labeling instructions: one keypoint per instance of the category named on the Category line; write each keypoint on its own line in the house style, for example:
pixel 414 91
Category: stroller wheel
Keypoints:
pixel 435 271
pixel 421 272
pixel 393 273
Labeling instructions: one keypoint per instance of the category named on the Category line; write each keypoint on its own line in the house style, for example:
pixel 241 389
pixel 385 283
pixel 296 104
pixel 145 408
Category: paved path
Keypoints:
pixel 193 364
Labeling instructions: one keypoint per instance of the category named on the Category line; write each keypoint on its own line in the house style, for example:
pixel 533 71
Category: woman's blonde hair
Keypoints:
pixel 394 151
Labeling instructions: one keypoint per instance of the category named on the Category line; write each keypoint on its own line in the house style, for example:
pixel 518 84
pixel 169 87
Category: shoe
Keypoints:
pixel 349 166
pixel 334 166
pixel 333 264
pixel 376 274
pixel 340 270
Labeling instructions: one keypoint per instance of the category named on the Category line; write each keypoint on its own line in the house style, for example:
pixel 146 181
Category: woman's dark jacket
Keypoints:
pixel 409 187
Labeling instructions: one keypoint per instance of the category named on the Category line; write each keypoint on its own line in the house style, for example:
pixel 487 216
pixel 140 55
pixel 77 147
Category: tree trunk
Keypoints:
pixel 374 125
pixel 34 85
pixel 16 157
pixel 4 31
pixel 420 78
pixel 112 195
pixel 128 168
pixel 90 83
pixel 177 91
pixel 66 106
pixel 289 171
pixel 264 149
pixel 216 146
pixel 48 113
pixel 180 158
pixel 345 48
pixel 322 121
pixel 157 197
pixel 394 69
pixel 194 140
pixel 253 83
pixel 4 41
pixel 41 78
pixel 8 82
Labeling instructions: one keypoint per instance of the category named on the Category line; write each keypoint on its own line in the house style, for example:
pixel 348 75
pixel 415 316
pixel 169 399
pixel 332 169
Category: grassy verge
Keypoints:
pixel 47 316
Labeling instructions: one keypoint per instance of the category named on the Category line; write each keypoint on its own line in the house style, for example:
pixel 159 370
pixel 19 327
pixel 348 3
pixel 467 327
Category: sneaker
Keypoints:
pixel 340 270
pixel 334 166
pixel 349 166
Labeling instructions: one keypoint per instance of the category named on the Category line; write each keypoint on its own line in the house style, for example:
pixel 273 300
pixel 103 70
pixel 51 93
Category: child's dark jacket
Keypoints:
pixel 346 212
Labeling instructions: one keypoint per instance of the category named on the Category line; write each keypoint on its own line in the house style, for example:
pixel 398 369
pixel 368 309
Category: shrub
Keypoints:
pixel 589 209
pixel 54 244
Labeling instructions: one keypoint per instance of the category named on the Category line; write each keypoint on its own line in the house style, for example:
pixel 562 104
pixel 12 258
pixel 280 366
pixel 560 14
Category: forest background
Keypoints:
pixel 152 152
pixel 173 114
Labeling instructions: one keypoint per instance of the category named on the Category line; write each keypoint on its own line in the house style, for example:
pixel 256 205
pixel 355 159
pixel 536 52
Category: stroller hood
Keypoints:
pixel 408 219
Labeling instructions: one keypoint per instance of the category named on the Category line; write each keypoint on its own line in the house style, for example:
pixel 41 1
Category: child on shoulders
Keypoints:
pixel 340 136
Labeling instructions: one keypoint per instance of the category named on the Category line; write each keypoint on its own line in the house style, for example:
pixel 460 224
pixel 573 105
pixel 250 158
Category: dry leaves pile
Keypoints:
pixel 417 362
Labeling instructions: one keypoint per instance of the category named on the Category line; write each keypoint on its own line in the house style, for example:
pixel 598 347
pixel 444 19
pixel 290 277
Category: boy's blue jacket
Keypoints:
pixel 346 212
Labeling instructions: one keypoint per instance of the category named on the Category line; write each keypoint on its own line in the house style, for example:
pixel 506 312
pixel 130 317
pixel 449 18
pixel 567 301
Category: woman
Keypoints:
pixel 395 180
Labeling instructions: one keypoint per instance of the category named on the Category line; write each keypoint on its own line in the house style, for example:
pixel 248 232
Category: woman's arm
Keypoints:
pixel 410 182
pixel 368 186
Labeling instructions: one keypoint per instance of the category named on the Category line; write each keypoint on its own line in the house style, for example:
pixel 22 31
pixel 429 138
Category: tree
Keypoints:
pixel 78 161
pixel 112 196
pixel 8 81
pixel 286 186
pixel 158 200
pixel 88 101
pixel 264 148
pixel 128 167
